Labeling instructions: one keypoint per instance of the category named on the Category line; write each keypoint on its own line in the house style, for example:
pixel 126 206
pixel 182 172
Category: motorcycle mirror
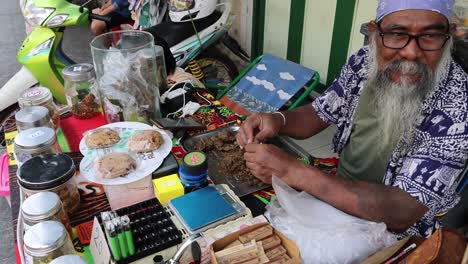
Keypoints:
pixel 83 5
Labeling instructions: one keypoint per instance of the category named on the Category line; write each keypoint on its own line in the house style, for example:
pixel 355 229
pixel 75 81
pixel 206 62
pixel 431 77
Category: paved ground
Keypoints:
pixel 75 45
pixel 13 31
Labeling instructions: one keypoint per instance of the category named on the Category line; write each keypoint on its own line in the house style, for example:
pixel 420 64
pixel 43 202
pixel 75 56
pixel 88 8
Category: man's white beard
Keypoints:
pixel 398 104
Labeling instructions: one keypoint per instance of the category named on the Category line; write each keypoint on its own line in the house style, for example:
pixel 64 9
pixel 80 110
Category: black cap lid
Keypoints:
pixel 46 171
pixel 195 163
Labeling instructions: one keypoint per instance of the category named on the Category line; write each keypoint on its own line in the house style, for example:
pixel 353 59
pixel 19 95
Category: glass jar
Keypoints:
pixel 46 241
pixel 126 75
pixel 41 96
pixel 79 90
pixel 33 142
pixel 69 259
pixel 44 206
pixel 53 173
pixel 32 116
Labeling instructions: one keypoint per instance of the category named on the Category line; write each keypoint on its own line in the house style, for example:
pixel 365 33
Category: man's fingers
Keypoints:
pixel 249 126
pixel 240 138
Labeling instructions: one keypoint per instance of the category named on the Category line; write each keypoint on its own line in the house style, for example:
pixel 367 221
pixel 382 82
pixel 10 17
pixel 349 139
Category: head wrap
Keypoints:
pixel 386 7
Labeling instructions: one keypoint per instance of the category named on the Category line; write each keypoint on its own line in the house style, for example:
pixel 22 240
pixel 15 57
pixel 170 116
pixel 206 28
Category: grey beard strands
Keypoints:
pixel 399 104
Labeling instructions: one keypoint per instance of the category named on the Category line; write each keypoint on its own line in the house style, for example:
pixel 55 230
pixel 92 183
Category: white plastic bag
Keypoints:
pixel 323 233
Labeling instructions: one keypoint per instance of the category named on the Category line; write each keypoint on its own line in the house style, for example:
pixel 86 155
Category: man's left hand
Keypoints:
pixel 265 160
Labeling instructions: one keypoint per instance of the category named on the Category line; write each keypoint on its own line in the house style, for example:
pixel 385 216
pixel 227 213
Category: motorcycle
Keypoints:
pixel 43 59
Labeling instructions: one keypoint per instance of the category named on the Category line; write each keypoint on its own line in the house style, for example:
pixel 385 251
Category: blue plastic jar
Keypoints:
pixel 193 171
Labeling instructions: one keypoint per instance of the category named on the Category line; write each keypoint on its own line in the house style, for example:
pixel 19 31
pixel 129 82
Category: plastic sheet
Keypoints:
pixel 323 233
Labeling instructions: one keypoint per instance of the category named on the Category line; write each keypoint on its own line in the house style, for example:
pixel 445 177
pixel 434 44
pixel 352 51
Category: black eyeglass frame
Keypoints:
pixel 411 37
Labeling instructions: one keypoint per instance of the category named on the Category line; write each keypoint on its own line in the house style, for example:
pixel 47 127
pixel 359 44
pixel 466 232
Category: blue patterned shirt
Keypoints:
pixel 429 167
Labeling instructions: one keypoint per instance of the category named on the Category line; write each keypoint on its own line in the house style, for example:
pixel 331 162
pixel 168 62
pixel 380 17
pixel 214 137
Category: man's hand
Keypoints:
pixel 266 160
pixel 258 127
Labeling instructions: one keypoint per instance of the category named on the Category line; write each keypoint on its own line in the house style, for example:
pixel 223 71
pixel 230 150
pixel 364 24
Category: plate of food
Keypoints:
pixel 121 153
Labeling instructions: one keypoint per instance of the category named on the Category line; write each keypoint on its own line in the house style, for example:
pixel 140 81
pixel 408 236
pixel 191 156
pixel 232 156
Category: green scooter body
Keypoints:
pixel 39 49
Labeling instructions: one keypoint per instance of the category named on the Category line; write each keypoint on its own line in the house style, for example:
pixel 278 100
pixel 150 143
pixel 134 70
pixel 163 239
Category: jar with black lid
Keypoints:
pixel 53 173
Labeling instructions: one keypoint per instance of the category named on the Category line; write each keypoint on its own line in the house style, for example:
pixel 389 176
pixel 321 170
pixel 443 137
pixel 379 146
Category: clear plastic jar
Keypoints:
pixel 34 142
pixel 79 90
pixel 41 96
pixel 46 241
pixel 32 116
pixel 44 206
pixel 53 173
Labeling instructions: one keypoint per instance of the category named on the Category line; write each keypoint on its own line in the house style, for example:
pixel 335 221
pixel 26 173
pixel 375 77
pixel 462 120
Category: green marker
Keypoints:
pixel 121 237
pixel 113 240
pixel 128 234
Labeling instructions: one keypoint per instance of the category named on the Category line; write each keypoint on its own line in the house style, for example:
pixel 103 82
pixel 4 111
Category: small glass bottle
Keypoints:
pixel 79 90
pixel 32 116
pixel 46 241
pixel 34 142
pixel 41 96
pixel 44 206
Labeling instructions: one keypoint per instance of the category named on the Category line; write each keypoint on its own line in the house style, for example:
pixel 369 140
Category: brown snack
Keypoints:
pixel 271 242
pixel 257 234
pixel 145 140
pixel 276 252
pixel 114 165
pixel 232 163
pixel 102 138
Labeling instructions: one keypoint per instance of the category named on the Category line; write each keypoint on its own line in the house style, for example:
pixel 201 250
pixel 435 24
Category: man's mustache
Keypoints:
pixel 407 68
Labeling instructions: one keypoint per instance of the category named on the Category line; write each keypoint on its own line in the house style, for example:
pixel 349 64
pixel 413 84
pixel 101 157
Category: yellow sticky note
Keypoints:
pixel 167 188
pixel 9 140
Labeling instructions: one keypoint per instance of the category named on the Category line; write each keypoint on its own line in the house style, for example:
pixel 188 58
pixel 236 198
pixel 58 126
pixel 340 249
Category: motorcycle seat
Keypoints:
pixel 174 33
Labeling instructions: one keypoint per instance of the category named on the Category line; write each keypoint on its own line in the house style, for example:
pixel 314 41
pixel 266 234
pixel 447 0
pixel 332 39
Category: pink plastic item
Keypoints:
pixel 4 176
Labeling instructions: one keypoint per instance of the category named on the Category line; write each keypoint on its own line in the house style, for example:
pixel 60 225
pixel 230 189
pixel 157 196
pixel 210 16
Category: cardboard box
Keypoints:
pixel 290 246
pixel 168 188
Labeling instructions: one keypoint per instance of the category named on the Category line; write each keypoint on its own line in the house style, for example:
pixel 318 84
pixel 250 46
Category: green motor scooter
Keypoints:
pixel 41 52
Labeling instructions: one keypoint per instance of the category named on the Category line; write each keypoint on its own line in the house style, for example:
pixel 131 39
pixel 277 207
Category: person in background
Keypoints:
pixel 401 110
pixel 118 12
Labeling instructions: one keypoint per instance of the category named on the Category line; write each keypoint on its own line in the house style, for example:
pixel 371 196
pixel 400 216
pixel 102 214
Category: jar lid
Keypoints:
pixel 45 237
pixel 69 259
pixel 36 137
pixel 79 72
pixel 32 115
pixel 46 171
pixel 35 96
pixel 41 206
pixel 195 163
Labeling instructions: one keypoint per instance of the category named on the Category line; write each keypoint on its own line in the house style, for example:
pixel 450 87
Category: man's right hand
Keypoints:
pixel 258 127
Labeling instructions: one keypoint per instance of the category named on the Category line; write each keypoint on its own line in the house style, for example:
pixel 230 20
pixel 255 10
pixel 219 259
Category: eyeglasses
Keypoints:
pixel 426 42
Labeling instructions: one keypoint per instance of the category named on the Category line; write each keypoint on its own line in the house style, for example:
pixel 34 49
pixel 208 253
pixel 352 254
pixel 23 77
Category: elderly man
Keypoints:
pixel 401 109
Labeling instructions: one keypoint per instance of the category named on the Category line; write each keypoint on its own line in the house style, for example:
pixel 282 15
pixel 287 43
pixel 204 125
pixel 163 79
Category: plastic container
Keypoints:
pixel 53 173
pixel 34 142
pixel 33 116
pixel 193 171
pixel 41 96
pixel 126 74
pixel 46 241
pixel 44 206
pixel 69 259
pixel 79 90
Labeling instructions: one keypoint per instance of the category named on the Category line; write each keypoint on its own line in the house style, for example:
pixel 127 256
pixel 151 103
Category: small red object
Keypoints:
pixel 84 231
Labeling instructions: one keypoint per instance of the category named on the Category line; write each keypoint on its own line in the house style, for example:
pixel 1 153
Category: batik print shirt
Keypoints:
pixel 429 166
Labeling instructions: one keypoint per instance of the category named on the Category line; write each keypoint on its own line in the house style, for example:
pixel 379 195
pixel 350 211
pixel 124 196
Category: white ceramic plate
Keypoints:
pixel 147 163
